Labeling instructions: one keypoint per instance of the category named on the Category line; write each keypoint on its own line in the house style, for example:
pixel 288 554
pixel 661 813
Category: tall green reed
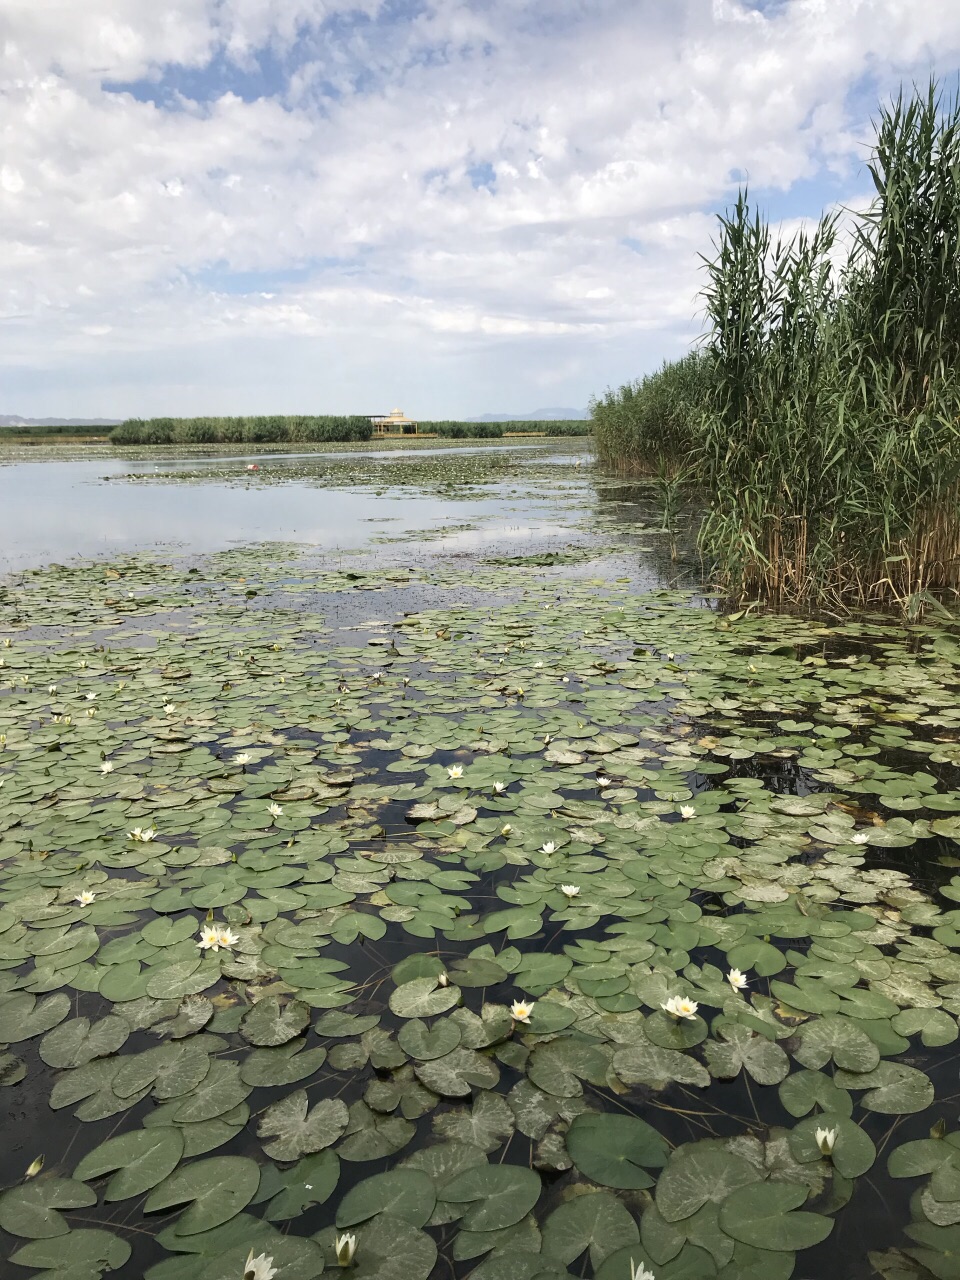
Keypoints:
pixel 650 426
pixel 829 444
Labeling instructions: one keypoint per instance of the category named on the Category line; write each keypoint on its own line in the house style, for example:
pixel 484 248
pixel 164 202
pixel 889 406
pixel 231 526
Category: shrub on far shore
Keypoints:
pixel 258 429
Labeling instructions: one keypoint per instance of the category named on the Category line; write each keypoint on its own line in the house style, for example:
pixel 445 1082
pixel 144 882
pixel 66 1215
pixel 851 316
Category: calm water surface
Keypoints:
pixel 57 509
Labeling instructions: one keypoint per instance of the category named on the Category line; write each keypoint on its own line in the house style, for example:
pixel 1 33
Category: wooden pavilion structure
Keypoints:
pixel 394 423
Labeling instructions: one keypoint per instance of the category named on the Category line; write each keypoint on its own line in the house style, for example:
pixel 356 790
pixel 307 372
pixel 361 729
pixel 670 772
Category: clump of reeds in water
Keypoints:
pixel 649 427
pixel 830 444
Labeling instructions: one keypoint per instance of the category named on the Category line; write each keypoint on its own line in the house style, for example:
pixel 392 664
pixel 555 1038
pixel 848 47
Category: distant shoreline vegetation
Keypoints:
pixel 69 431
pixel 278 429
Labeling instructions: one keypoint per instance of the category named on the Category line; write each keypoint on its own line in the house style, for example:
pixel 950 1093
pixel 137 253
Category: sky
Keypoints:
pixel 456 207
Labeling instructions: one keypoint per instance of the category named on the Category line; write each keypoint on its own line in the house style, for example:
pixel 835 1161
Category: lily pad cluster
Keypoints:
pixel 593 933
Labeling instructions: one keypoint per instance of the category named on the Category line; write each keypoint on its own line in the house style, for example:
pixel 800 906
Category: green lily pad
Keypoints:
pixel 31 1209
pixel 297 1131
pixel 216 1189
pixel 743 1049
pixel 496 1196
pixel 73 1043
pixel 422 998
pixel 142 1159
pixel 698 1174
pixel 426 1043
pixel 23 1016
pixel 83 1253
pixel 596 1221
pixel 616 1150
pixel 405 1193
pixel 270 1023
pixel 763 1215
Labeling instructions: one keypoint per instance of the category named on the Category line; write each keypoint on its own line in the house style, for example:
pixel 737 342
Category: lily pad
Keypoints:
pixel 31 1209
pixel 423 998
pixel 616 1150
pixel 496 1196
pixel 297 1131
pixel 216 1189
pixel 405 1193
pixel 142 1158
pixel 763 1215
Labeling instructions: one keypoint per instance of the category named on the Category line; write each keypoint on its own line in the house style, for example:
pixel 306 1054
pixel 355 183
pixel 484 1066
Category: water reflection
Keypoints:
pixel 59 509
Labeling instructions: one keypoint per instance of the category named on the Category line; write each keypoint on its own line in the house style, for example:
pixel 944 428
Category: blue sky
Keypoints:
pixel 457 206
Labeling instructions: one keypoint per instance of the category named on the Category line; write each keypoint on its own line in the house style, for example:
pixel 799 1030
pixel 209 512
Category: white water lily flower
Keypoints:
pixel 345 1248
pixel 51 688
pixel 859 837
pixel 209 938
pixel 443 980
pixel 85 897
pixel 570 890
pixel 258 1268
pixel 91 711
pixel 603 781
pixel 377 675
pixel 640 1272
pixel 169 708
pixel 107 766
pixel 82 663
pixel 825 1140
pixel 275 810
pixel 90 697
pixel 687 811
pixel 455 771
pixel 226 937
pixel 737 979
pixel 242 758
pixel 521 1010
pixel 549 847
pixel 143 834
pixel 33 1168
pixel 499 787
pixel 506 829
pixel 547 739
pixel 680 1007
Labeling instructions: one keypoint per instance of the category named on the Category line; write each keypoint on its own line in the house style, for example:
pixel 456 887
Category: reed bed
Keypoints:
pixel 263 429
pixel 830 443
pixel 313 429
pixel 649 427
pixel 823 424
pixel 457 430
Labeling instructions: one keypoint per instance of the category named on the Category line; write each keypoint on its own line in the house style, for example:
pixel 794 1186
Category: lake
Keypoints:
pixel 407 845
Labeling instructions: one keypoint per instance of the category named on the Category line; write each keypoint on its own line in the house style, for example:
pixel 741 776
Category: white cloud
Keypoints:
pixel 139 241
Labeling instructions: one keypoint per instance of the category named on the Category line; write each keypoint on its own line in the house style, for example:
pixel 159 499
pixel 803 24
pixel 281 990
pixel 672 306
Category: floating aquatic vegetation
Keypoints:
pixel 360 955
pixel 453 474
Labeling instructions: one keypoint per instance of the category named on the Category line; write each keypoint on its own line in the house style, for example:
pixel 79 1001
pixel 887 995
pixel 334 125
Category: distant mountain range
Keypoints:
pixel 13 420
pixel 541 415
